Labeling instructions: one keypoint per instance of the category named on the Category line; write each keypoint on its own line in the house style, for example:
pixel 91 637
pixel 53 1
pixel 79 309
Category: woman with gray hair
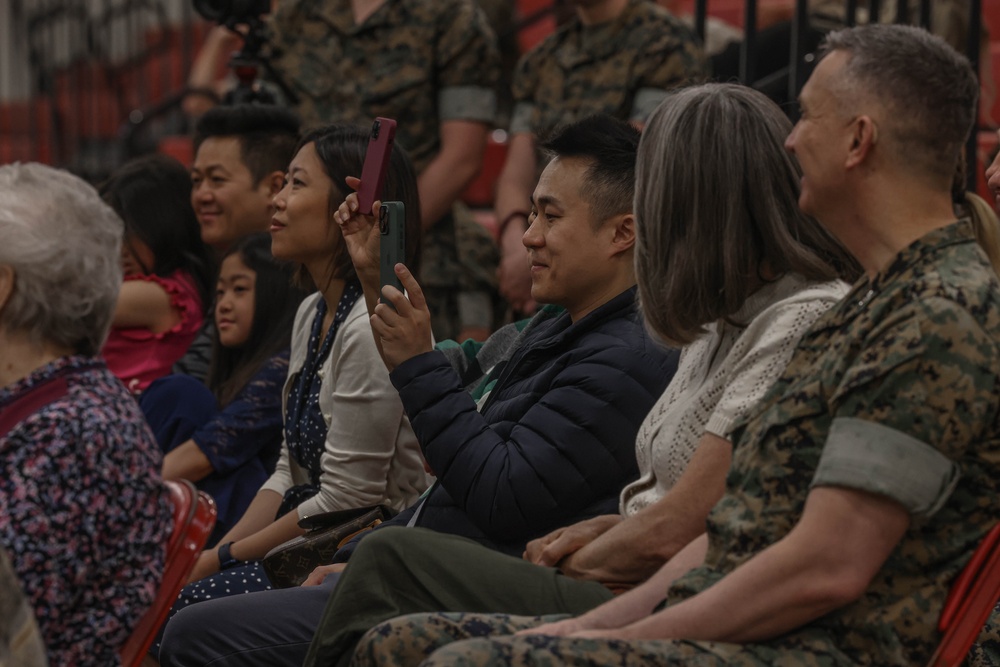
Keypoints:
pixel 85 516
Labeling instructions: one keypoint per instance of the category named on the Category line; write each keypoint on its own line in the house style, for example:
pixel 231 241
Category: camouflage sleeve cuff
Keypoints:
pixel 467 103
pixel 646 99
pixel 867 456
pixel 520 118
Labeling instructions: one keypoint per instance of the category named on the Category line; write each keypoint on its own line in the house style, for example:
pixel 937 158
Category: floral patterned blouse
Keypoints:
pixel 83 512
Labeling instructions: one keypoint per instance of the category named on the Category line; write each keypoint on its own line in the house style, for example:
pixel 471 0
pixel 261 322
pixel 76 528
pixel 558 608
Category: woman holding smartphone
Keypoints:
pixel 346 442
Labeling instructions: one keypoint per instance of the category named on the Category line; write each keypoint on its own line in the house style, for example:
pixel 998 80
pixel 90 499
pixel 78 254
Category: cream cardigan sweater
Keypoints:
pixel 372 455
pixel 721 376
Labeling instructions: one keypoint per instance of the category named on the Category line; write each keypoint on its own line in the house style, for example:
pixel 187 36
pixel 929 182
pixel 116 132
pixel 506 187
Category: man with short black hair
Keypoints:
pixel 241 154
pixel 617 57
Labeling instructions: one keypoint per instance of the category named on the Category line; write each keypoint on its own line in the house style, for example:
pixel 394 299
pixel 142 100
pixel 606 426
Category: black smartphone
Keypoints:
pixel 376 163
pixel 392 246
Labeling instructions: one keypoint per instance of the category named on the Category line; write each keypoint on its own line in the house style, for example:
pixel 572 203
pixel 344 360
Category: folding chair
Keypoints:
pixel 970 602
pixel 194 518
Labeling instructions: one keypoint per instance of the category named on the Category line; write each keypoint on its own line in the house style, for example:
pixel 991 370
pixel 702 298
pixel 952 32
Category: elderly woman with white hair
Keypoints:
pixel 85 515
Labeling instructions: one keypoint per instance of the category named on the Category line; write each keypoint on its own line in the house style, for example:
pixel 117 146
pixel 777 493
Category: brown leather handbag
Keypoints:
pixel 289 564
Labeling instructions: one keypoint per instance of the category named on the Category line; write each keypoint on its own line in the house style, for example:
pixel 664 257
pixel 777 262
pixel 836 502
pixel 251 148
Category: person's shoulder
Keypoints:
pixel 182 277
pixel 302 326
pixel 305 312
pixel 967 274
pixel 648 22
pixel 801 294
pixel 621 333
pixel 95 410
pixel 278 361
pixel 629 335
pixel 661 50
pixel 179 283
pixel 274 368
pixel 946 311
pixel 961 284
pixel 618 352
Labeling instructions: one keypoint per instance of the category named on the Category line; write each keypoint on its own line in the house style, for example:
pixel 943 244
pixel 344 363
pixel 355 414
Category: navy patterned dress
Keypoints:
pixel 241 441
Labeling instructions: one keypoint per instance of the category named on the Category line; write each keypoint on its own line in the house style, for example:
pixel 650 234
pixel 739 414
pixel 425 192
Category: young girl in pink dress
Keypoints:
pixel 168 270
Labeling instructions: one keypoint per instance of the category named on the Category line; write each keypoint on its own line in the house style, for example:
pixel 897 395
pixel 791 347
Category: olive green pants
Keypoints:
pixel 398 571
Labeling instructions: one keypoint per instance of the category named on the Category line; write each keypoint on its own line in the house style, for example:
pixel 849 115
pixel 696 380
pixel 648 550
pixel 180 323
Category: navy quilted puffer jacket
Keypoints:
pixel 554 442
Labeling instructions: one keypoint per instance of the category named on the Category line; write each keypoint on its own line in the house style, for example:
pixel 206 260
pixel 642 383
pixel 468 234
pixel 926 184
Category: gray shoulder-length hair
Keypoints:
pixel 64 245
pixel 716 206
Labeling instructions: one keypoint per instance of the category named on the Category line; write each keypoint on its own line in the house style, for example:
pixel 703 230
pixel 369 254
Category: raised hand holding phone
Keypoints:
pixel 361 234
pixel 402 323
pixel 392 244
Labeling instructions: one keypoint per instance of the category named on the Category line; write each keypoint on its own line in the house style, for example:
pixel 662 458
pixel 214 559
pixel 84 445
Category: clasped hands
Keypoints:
pixel 406 331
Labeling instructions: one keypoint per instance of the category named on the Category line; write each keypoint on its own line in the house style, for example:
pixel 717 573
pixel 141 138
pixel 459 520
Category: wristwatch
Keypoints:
pixel 226 559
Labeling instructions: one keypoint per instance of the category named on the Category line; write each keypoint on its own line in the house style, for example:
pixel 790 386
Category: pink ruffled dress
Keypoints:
pixel 137 356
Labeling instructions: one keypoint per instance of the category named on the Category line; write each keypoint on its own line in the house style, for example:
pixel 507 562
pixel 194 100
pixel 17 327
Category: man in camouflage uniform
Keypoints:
pixel 618 57
pixel 432 67
pixel 869 472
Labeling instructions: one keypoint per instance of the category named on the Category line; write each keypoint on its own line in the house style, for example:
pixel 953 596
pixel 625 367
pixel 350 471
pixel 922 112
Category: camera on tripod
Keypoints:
pixel 250 59
pixel 232 12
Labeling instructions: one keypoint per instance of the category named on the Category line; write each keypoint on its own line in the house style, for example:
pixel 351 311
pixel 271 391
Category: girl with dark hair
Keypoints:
pixel 226 437
pixel 255 307
pixel 167 269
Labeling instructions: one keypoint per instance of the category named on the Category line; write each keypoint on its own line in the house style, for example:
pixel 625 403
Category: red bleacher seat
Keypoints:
pixel 991 17
pixel 970 602
pixel 179 147
pixel 481 191
pixel 194 518
pixel 536 32
pixel 26 131
pixel 987 145
pixel 730 11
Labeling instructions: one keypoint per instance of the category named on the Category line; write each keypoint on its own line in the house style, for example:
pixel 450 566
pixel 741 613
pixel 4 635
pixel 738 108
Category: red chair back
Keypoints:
pixel 194 518
pixel 970 602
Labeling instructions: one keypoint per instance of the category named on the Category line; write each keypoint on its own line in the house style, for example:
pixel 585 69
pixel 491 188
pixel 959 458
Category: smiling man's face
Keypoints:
pixel 227 202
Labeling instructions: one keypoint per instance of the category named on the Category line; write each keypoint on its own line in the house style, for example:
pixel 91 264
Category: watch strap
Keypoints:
pixel 226 559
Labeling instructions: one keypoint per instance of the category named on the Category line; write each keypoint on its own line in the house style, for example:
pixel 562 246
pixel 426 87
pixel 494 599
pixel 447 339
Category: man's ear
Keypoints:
pixel 623 233
pixel 864 136
pixel 6 284
pixel 274 182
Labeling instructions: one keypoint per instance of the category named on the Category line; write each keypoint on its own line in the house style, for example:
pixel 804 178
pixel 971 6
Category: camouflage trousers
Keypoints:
pixel 467 640
pixel 986 651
